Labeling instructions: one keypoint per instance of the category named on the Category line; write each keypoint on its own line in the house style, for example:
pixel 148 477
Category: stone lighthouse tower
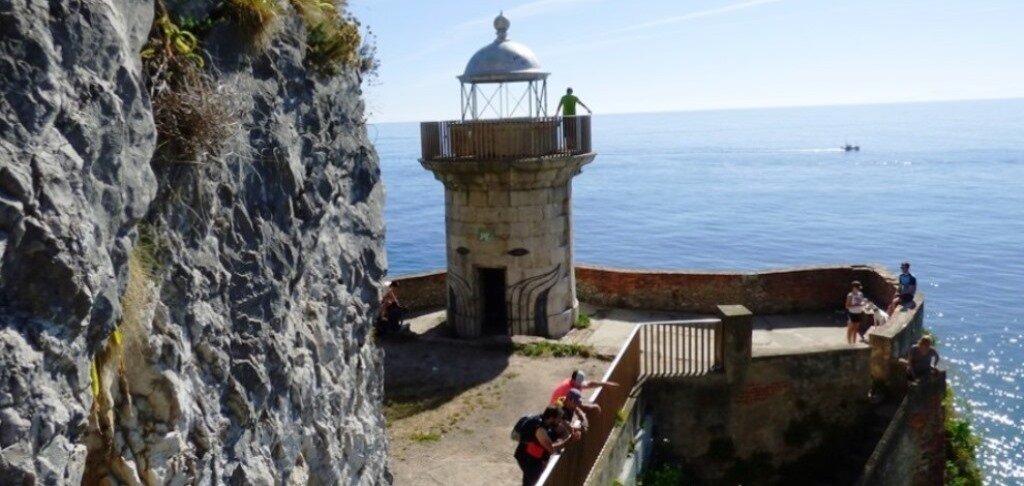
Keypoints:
pixel 507 169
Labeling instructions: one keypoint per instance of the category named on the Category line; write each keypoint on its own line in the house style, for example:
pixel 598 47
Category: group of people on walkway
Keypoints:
pixel 564 421
pixel 922 358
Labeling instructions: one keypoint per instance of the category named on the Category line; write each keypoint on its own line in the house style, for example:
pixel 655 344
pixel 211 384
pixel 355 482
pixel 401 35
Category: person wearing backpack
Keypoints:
pixel 538 439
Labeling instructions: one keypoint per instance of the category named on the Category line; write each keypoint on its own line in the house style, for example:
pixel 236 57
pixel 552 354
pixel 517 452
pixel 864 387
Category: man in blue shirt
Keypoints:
pixel 908 287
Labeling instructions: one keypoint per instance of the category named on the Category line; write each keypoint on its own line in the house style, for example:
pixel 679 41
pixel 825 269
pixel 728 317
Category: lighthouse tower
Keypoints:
pixel 507 169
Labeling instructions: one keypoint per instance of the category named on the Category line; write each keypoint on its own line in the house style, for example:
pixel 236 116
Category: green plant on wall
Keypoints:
pixel 333 42
pixel 961 447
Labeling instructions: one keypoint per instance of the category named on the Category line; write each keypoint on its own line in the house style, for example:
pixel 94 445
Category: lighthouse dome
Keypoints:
pixel 502 60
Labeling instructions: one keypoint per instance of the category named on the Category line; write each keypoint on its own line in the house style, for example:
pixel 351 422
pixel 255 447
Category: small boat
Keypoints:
pixel 851 148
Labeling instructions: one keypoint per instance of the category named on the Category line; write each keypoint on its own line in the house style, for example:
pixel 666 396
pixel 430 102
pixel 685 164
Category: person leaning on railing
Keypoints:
pixel 567 104
pixel 541 436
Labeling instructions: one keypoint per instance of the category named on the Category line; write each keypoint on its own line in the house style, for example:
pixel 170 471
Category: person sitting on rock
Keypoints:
pixel 391 312
pixel 922 359
pixel 578 380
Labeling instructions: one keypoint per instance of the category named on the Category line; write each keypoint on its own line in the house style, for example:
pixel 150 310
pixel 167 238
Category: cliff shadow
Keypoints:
pixel 421 373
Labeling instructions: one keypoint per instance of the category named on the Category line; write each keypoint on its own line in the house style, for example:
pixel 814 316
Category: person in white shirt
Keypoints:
pixel 855 302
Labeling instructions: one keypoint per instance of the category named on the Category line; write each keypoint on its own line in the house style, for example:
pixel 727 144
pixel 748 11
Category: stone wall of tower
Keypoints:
pixel 516 216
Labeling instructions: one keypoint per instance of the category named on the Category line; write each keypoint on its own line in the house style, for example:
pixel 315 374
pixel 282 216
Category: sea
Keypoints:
pixel 940 185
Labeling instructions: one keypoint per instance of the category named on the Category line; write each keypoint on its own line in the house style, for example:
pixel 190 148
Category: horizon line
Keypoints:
pixel 770 107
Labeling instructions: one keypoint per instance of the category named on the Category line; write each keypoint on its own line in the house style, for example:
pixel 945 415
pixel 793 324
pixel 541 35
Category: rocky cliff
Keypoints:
pixel 179 312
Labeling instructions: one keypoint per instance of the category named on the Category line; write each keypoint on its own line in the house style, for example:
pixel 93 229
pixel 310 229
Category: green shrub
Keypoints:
pixel 333 41
pixel 961 447
pixel 582 321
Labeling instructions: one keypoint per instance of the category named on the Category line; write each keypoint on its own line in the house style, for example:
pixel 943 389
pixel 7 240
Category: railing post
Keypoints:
pixel 737 330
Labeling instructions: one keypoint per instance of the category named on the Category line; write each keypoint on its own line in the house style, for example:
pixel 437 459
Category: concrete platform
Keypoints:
pixel 610 327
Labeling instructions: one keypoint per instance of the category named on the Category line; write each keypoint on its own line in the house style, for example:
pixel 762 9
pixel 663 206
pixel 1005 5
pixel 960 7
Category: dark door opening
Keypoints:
pixel 492 289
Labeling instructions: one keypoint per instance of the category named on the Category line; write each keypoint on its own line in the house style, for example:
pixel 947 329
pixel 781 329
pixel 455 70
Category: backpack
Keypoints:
pixel 522 424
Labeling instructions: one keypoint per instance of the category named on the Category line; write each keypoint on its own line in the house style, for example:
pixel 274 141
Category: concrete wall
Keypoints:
pixel 768 292
pixel 912 450
pixel 626 450
pixel 772 418
pixel 893 341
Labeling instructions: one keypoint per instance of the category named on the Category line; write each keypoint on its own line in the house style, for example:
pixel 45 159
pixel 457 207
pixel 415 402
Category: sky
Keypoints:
pixel 669 55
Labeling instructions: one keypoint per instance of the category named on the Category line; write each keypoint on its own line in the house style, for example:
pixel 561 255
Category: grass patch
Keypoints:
pixel 425 436
pixel 557 350
pixel 961 447
pixel 400 409
pixel 582 321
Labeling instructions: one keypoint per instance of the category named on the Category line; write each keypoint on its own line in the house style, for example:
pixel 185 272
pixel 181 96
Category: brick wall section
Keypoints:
pixel 423 291
pixel 770 292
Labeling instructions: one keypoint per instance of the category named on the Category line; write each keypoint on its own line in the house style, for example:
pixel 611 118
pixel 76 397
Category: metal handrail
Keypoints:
pixel 681 348
pixel 510 138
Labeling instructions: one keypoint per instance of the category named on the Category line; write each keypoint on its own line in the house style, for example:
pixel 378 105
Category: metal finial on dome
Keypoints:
pixel 501 24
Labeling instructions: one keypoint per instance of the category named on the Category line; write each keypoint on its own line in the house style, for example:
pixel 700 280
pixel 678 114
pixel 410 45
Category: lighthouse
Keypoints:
pixel 507 169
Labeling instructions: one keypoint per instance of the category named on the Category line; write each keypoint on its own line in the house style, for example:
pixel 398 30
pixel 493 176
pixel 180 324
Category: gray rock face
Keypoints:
pixel 76 135
pixel 244 357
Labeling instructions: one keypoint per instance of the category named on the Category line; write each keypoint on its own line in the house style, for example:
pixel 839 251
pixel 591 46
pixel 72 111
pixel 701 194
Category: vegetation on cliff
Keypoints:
pixel 961 446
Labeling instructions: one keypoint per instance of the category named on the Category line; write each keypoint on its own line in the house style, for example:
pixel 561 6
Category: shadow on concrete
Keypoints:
pixel 424 372
pixel 794 321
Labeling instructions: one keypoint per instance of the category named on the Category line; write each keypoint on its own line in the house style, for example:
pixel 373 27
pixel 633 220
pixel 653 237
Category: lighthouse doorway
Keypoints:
pixel 492 291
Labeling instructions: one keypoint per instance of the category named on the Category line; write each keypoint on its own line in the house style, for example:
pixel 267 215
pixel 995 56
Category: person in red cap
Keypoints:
pixel 578 380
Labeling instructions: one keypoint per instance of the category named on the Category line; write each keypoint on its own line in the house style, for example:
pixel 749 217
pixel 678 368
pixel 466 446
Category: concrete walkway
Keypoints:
pixel 610 327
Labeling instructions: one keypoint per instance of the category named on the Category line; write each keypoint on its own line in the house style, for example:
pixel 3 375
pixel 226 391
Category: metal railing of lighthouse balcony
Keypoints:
pixel 502 139
pixel 671 349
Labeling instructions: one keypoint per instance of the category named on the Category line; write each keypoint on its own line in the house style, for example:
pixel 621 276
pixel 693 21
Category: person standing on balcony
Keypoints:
pixel 567 104
pixel 855 302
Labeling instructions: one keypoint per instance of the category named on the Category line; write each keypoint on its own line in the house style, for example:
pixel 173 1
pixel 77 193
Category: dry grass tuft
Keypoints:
pixel 192 119
pixel 256 17
pixel 333 41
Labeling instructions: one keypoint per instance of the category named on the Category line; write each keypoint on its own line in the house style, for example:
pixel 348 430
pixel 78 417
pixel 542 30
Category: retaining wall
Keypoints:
pixel 768 292
pixel 912 450
pixel 782 410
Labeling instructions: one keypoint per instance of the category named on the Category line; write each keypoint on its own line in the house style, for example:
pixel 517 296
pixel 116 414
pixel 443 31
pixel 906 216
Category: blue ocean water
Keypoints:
pixel 938 184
